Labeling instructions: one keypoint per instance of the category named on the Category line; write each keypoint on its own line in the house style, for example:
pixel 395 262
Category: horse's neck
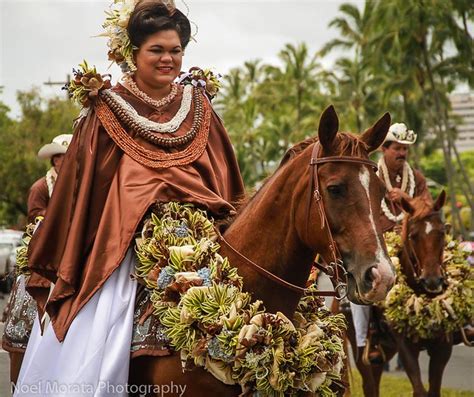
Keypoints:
pixel 265 233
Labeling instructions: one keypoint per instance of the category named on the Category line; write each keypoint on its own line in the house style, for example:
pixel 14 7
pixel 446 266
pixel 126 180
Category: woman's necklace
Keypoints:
pixel 132 86
pixel 153 126
pixel 408 186
pixel 147 128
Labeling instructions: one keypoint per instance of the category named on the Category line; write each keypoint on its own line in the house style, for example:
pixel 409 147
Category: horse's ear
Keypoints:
pixel 376 134
pixel 407 207
pixel 328 127
pixel 440 201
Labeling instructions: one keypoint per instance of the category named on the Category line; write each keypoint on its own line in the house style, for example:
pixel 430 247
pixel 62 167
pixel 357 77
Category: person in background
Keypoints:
pixel 401 180
pixel 20 311
pixel 41 190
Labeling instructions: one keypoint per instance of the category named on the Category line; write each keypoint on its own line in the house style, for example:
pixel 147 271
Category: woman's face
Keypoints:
pixel 159 59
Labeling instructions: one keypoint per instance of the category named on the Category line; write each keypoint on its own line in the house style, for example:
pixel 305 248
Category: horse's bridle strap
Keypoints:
pixel 269 274
pixel 343 159
pixel 314 193
pixel 410 251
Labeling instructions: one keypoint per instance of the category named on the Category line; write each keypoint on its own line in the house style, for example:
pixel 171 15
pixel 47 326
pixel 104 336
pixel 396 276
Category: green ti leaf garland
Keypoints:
pixel 198 297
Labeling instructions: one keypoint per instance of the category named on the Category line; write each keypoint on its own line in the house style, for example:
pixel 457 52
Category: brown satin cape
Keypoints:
pixel 101 196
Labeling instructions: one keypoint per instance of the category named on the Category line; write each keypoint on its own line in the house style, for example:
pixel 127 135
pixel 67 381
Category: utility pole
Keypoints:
pixel 61 83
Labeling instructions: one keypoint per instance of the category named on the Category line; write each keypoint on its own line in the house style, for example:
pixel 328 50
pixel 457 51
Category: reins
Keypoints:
pixel 335 269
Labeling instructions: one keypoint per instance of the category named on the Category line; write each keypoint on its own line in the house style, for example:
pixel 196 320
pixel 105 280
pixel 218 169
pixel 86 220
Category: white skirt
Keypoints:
pixel 93 359
pixel 361 318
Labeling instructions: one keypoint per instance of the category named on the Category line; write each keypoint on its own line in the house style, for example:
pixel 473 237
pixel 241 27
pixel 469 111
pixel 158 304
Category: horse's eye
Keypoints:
pixel 336 190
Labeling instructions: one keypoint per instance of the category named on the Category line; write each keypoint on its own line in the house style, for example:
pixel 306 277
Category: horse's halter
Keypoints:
pixel 335 268
pixel 410 252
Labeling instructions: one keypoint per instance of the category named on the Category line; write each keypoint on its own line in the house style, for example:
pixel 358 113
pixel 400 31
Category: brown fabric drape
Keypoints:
pixel 101 196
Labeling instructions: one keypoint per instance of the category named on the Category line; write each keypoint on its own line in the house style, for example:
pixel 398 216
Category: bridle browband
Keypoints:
pixel 335 270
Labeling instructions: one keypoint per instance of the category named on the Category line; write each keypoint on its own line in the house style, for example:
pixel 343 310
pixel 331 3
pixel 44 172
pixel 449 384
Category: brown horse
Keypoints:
pixel 421 260
pixel 282 228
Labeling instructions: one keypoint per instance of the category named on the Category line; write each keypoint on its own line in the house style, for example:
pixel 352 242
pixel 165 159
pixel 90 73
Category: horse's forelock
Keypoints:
pixel 348 144
pixel 422 207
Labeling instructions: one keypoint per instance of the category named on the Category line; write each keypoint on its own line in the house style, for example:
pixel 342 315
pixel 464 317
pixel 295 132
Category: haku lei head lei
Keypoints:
pixel 116 29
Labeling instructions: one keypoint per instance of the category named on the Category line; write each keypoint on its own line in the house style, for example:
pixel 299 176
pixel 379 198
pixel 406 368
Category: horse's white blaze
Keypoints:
pixel 383 273
pixel 428 228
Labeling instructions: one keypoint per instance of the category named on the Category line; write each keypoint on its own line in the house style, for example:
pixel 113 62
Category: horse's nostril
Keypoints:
pixel 369 275
pixel 432 283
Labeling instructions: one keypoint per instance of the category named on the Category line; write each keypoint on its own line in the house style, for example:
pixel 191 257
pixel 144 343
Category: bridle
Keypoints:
pixel 410 252
pixel 335 269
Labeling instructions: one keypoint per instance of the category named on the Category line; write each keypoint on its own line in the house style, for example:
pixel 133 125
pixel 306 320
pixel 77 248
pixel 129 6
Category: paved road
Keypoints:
pixel 459 373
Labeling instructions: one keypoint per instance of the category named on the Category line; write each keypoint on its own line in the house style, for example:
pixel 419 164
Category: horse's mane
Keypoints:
pixel 345 144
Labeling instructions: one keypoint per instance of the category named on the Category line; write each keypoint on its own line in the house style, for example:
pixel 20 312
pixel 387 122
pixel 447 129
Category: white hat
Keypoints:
pixel 399 132
pixel 59 145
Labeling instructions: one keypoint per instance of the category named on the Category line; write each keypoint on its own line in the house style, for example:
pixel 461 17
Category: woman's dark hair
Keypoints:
pixel 150 17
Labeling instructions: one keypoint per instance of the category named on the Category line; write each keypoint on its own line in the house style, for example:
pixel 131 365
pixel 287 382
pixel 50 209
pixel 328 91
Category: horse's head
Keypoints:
pixel 423 242
pixel 351 195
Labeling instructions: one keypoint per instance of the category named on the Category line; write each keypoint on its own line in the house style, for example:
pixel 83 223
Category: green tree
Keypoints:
pixel 20 141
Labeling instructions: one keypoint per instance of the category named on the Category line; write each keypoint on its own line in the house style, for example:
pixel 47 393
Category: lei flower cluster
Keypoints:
pixel 422 317
pixel 205 79
pixel 198 297
pixel 22 252
pixel 115 26
pixel 87 84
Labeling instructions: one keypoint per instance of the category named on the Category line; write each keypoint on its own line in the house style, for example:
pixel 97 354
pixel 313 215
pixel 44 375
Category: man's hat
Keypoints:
pixel 59 145
pixel 399 133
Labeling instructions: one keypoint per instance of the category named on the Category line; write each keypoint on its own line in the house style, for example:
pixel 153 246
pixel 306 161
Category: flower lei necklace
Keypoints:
pixel 423 317
pixel 408 186
pixel 153 126
pixel 131 85
pixel 51 177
